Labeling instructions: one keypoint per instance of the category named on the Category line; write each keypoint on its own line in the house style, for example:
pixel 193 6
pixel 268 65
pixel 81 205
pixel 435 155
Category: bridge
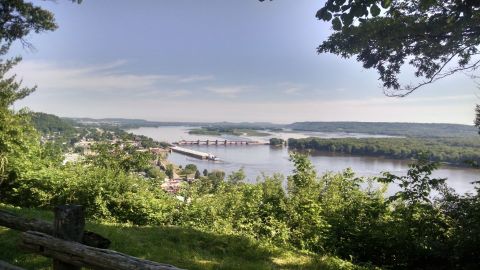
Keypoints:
pixel 219 142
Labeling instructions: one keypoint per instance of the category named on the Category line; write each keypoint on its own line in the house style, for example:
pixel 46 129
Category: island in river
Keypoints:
pixel 219 131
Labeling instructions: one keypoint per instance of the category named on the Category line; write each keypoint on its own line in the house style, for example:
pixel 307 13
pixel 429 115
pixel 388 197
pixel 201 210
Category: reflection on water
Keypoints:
pixel 258 159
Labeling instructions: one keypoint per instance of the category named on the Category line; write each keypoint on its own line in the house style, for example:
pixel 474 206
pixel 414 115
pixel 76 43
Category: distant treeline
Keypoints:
pixel 218 131
pixel 457 151
pixel 381 128
pixel 137 123
pixel 393 129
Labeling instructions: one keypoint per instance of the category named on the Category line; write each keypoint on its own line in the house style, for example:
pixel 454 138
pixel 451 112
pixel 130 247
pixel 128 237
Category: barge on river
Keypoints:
pixel 194 153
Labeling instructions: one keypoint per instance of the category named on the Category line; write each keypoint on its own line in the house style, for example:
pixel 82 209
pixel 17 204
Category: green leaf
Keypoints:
pixel 386 3
pixel 375 10
pixel 347 19
pixel 426 4
pixel 337 24
pixel 357 11
pixel 324 14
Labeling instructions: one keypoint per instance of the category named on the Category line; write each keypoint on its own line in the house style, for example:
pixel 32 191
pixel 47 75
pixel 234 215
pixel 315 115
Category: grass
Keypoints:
pixel 183 247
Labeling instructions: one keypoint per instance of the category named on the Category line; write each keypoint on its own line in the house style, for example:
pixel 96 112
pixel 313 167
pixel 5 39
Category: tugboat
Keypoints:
pixel 212 157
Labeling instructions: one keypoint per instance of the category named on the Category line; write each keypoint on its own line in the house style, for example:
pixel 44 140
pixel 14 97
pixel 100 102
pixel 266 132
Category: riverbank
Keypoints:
pixel 461 152
pixel 263 159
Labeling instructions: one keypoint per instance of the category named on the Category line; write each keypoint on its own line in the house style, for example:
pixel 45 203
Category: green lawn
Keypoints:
pixel 182 247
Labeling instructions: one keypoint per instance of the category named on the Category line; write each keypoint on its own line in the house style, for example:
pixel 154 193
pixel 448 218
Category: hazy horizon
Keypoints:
pixel 251 122
pixel 215 61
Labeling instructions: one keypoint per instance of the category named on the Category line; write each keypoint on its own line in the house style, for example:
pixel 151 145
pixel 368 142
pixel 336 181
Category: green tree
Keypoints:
pixel 190 169
pixel 418 184
pixel 156 173
pixel 236 177
pixel 126 159
pixel 19 18
pixel 477 118
pixel 19 141
pixel 170 171
pixel 215 179
pixel 276 141
pixel 437 38
pixel 308 228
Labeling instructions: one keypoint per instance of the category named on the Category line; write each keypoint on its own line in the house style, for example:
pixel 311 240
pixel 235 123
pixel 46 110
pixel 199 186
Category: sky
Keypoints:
pixel 214 60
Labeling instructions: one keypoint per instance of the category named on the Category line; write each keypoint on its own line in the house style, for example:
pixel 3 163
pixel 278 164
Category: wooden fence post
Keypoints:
pixel 68 225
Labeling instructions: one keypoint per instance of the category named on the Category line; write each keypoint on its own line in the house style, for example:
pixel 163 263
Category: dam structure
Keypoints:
pixel 219 142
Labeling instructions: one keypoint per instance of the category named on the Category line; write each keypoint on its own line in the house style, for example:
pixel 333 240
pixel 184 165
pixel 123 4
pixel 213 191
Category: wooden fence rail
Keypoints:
pixel 69 245
pixel 81 255
pixel 7 266
pixel 22 224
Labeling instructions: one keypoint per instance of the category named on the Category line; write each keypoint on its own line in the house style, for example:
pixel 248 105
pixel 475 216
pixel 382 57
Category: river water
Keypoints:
pixel 264 159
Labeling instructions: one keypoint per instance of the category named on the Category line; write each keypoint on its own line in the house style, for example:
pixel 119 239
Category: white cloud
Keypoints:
pixel 195 78
pixel 292 90
pixel 105 77
pixel 389 110
pixel 178 93
pixel 228 91
pixel 109 91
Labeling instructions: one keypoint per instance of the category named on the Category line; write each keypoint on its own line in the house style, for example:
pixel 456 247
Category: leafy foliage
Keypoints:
pixel 276 141
pixel 49 123
pixel 183 247
pixel 18 139
pixel 477 117
pixel 417 184
pixel 457 151
pixel 384 34
pixel 119 158
pixel 328 214
pixel 19 18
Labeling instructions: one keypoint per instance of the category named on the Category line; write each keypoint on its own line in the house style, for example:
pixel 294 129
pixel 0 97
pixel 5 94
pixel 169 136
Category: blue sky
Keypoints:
pixel 220 60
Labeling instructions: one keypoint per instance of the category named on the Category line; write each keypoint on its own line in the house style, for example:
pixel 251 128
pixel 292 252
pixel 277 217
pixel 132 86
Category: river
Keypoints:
pixel 264 159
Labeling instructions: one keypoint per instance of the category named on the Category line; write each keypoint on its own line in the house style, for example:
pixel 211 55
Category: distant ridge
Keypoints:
pixel 390 128
pixel 136 123
pixel 404 129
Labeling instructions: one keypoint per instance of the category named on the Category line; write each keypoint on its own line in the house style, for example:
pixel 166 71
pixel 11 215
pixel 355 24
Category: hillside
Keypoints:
pixel 182 247
pixel 423 130
pixel 49 123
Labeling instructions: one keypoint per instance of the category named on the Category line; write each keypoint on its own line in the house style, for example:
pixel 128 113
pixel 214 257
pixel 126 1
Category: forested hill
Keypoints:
pixel 48 123
pixel 137 123
pixel 387 128
pixel 423 130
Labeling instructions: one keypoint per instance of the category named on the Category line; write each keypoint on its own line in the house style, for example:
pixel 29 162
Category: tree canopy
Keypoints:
pixel 436 37
pixel 18 138
pixel 477 118
pixel 18 19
